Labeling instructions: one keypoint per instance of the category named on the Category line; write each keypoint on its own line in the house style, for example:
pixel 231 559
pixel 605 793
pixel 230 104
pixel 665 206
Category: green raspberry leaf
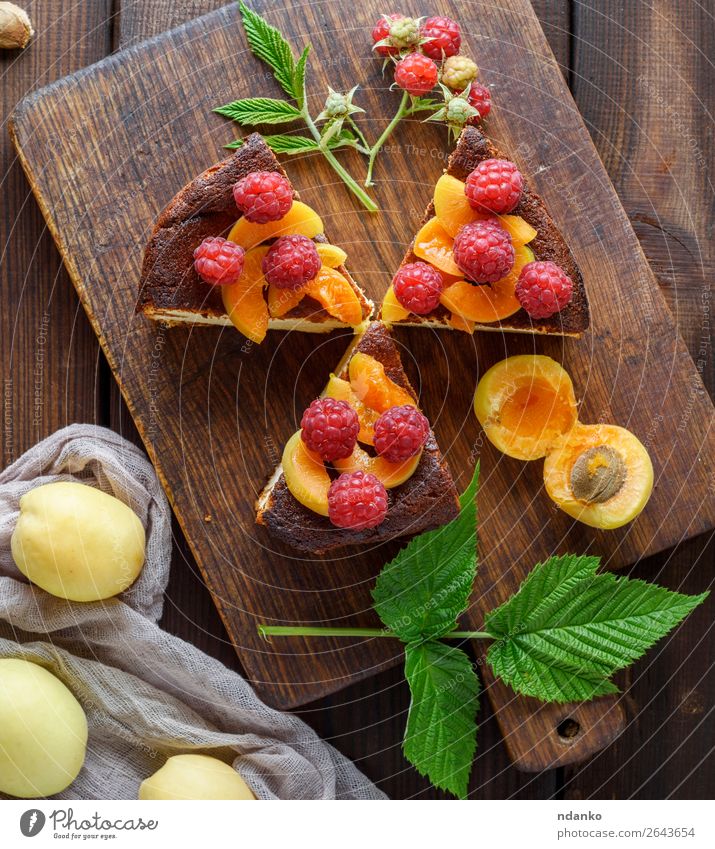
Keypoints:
pixel 299 77
pixel 267 43
pixel 441 734
pixel 568 629
pixel 259 110
pixel 420 594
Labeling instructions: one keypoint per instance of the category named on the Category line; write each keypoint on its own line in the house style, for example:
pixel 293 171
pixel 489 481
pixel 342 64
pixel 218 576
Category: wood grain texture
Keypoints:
pixel 204 439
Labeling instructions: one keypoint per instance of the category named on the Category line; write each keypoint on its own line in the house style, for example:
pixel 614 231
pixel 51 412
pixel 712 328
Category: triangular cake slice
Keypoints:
pixel 468 306
pixel 172 292
pixel 426 499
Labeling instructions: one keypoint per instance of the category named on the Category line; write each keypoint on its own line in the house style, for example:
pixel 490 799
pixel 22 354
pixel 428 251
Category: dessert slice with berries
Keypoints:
pixel 237 246
pixel 365 466
pixel 488 255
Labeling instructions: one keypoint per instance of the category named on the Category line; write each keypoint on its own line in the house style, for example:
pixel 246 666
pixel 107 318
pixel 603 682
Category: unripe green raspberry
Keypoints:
pixel 405 32
pixel 458 111
pixel 458 72
pixel 337 105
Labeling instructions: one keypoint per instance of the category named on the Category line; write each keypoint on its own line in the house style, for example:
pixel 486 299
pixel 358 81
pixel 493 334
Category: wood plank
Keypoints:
pixel 164 145
pixel 48 352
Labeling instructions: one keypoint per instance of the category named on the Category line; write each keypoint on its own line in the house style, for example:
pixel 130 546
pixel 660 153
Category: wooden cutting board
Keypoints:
pixel 106 148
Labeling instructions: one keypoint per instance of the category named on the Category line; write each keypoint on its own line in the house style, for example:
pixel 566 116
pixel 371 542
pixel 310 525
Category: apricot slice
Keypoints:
pixel 330 289
pixel 281 301
pixel 343 391
pixel 243 300
pixel 373 387
pixel 434 244
pixel 600 475
pixel 331 255
pixel 390 474
pixel 525 404
pixel 487 303
pixel 457 322
pixel 306 476
pixel 392 309
pixel 521 231
pixel 300 220
pixel 451 205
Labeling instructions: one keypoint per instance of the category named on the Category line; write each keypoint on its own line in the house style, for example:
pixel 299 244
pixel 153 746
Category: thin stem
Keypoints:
pixel 344 175
pixel 301 631
pixel 385 135
pixel 361 136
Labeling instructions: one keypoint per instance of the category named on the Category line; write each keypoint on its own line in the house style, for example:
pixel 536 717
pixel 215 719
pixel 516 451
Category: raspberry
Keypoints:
pixel 330 427
pixel 357 500
pixel 416 74
pixel 458 72
pixel 218 261
pixel 291 262
pixel 400 433
pixel 495 185
pixel 480 98
pixel 381 31
pixel 263 196
pixel 418 286
pixel 484 252
pixel 444 37
pixel 543 289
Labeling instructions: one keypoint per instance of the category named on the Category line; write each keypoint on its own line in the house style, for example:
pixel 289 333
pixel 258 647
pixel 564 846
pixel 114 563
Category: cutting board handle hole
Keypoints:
pixel 569 729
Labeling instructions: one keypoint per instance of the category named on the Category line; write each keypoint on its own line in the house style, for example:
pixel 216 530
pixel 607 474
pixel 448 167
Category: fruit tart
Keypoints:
pixel 365 466
pixel 237 246
pixel 488 255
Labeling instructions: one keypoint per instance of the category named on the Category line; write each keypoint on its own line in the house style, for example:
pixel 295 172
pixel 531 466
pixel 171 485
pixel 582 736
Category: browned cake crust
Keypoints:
pixel 427 500
pixel 205 207
pixel 472 148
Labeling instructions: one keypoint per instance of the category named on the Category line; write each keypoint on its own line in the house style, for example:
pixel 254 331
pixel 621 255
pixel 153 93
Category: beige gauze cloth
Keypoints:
pixel 147 694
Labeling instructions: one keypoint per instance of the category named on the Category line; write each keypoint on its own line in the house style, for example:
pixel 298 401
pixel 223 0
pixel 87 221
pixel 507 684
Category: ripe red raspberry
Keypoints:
pixel 416 74
pixel 484 252
pixel 218 261
pixel 263 196
pixel 543 289
pixel 357 500
pixel 380 31
pixel 418 286
pixel 330 427
pixel 480 98
pixel 445 38
pixel 291 262
pixel 495 185
pixel 400 433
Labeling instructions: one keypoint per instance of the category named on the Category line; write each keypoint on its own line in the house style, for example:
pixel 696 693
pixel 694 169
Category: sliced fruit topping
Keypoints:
pixel 341 389
pixel 458 322
pixel 600 475
pixel 263 196
pixel 434 245
pixel 417 286
pixel 373 387
pixel 330 289
pixel 357 500
pixel 521 231
pixel 244 302
pixel 389 474
pixel 300 219
pixel 329 428
pixel 281 301
pixel 525 405
pixel 400 433
pixel 331 255
pixel 306 476
pixel 219 262
pixel 392 309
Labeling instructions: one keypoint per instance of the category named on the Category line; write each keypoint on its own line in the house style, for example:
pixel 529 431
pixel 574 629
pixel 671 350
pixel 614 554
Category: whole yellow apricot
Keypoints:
pixel 43 731
pixel 195 777
pixel 77 542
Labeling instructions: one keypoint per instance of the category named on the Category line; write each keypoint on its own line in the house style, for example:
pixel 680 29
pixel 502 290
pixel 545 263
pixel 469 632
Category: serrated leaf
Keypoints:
pixel 259 110
pixel 267 43
pixel 441 734
pixel 299 77
pixel 422 591
pixel 298 144
pixel 568 629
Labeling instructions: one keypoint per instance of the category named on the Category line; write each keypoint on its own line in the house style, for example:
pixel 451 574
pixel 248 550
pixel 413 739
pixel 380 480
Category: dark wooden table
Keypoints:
pixel 641 76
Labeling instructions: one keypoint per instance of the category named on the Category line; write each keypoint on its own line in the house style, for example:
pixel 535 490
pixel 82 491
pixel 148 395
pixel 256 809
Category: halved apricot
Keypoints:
pixel 243 300
pixel 525 405
pixel 300 220
pixel 373 387
pixel 343 391
pixel 600 475
pixel 392 309
pixel 390 474
pixel 434 244
pixel 331 255
pixel 306 476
